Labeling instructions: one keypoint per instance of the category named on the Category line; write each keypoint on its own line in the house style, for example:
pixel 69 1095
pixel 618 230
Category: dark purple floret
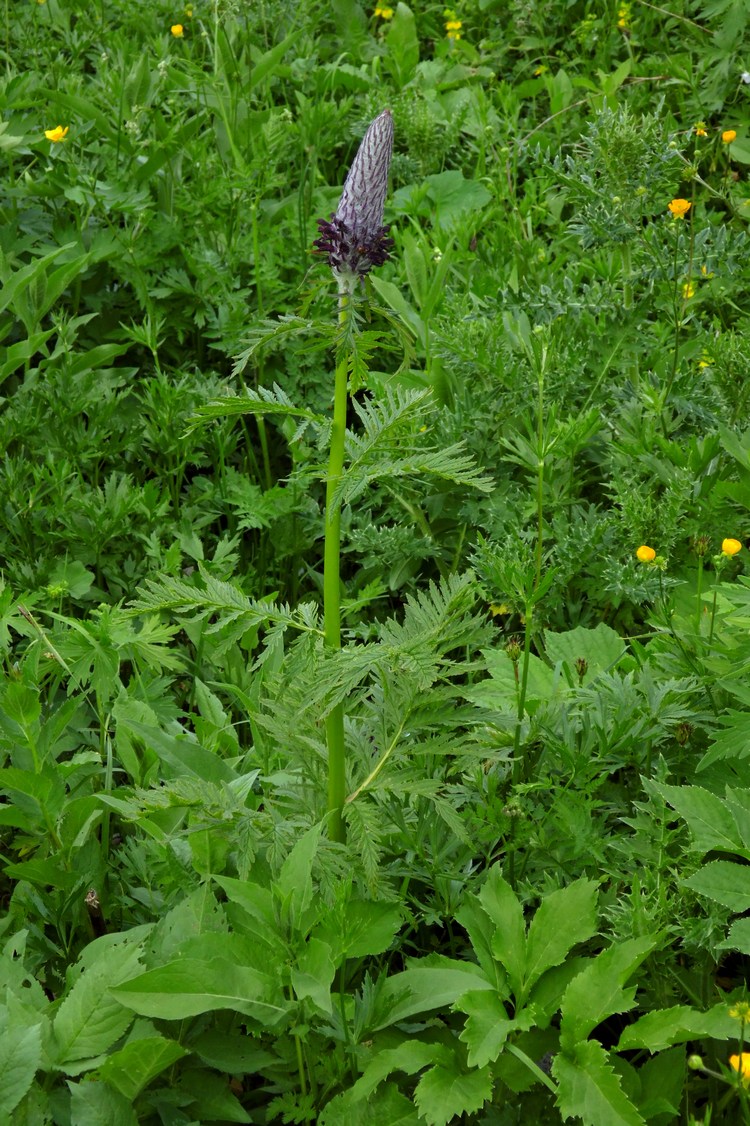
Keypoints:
pixel 354 238
pixel 348 254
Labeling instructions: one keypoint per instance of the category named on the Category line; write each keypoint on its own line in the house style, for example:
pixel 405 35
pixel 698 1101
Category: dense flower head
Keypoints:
pixel 646 554
pixel 680 207
pixel 728 136
pixel 57 134
pixel 730 547
pixel 177 30
pixel 354 238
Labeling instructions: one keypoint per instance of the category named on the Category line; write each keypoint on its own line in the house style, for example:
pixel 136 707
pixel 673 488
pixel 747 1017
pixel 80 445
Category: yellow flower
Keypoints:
pixel 700 129
pixel 740 1011
pixel 741 1064
pixel 177 30
pixel 646 554
pixel 188 13
pixel 623 13
pixel 705 361
pixel 540 70
pixel 731 547
pixel 688 290
pixel 680 207
pixel 727 137
pixel 57 134
pixel 384 13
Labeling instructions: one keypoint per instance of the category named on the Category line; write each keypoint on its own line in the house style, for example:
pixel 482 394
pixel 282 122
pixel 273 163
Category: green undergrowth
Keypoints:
pixel 539 910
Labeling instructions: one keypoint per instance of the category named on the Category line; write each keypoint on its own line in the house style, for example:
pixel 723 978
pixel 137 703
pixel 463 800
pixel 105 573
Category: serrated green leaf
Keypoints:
pixel 563 919
pixel 508 941
pixel 313 974
pixel 294 886
pixel 487 1026
pixel 709 819
pixel 665 1027
pixel 589 1089
pixel 597 992
pixel 90 1019
pixel 385 1107
pixel 724 882
pixel 442 1093
pixel 20 1056
pixel 434 984
pixel 96 1104
pixel 134 1066
pixel 601 648
pixel 410 1057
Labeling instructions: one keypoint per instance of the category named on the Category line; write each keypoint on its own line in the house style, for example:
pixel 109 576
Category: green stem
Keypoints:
pixel 332 587
pixel 698 597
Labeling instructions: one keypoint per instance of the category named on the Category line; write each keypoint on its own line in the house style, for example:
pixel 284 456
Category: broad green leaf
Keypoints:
pixel 209 1097
pixel 313 974
pixel 236 1055
pixel 410 1057
pixel 665 1027
pixel 257 902
pixel 294 886
pixel 487 1026
pixel 709 820
pixel 563 919
pixel 480 929
pixel 724 882
pixel 738 937
pixel 96 1104
pixel 20 1056
pixel 189 987
pixel 90 1019
pixel 442 1093
pixel 508 943
pixel 369 928
pixel 597 992
pixel 134 1066
pixel 589 1089
pixel 601 648
pixel 386 1107
pixel 434 984
pixel 662 1080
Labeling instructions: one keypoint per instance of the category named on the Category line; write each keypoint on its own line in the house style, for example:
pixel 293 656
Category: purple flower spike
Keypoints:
pixel 355 239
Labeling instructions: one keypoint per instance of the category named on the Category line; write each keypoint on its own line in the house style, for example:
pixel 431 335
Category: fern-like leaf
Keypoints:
pixel 260 402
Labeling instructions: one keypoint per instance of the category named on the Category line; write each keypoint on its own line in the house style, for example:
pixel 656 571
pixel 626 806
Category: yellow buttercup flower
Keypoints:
pixel 540 70
pixel 57 134
pixel 741 1064
pixel 646 554
pixel 688 290
pixel 177 30
pixel 731 547
pixel 700 129
pixel 384 13
pixel 680 207
pixel 740 1011
pixel 727 137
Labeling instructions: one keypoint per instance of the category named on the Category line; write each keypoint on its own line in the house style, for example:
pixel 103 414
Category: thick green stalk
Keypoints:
pixel 332 587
